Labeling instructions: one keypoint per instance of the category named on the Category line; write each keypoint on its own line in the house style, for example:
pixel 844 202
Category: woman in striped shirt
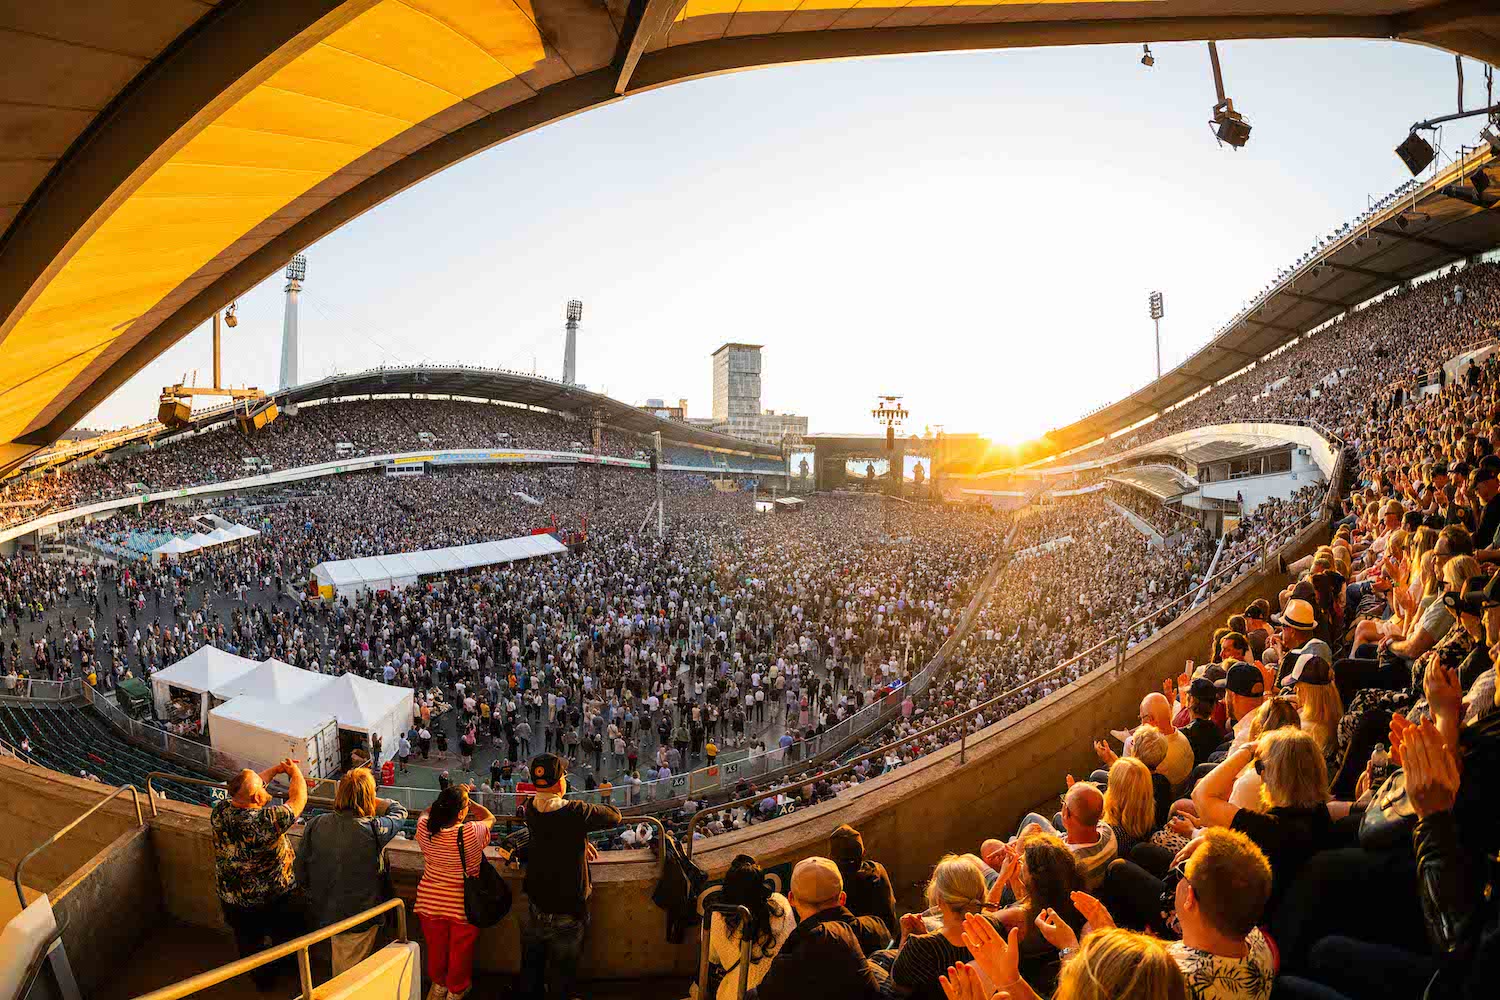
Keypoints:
pixel 440 894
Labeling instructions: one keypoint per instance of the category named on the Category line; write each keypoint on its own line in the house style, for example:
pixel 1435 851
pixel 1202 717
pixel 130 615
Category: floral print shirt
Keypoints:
pixel 252 859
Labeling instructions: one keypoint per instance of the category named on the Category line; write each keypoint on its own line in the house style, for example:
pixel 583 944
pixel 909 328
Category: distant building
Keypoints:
pixel 736 405
pixel 659 408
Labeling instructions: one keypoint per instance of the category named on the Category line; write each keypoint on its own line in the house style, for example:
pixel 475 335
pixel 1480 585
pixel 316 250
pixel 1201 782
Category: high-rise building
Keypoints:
pixel 736 409
pixel 736 382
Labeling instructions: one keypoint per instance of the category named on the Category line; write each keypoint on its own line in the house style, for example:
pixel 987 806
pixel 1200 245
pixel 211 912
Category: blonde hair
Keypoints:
pixel 958 883
pixel 1293 774
pixel 1130 800
pixel 1148 746
pixel 1115 964
pixel 1458 570
pixel 1320 708
pixel 356 793
pixel 1273 713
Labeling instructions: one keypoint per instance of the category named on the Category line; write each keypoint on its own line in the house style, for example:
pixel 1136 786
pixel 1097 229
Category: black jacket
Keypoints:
pixel 821 958
pixel 1455 863
pixel 869 891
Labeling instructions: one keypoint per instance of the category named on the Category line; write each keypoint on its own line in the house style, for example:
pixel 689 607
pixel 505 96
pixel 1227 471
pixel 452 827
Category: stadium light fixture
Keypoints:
pixel 1147 59
pixel 1481 182
pixel 1227 124
pixel 1416 152
pixel 1492 136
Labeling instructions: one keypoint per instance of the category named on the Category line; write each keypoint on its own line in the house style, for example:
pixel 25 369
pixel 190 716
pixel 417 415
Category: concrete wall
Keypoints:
pixel 909 817
pixel 35 803
pixel 109 907
pixel 1258 489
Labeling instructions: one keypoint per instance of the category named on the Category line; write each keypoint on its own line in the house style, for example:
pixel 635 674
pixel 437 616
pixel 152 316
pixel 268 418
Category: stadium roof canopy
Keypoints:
pixel 163 157
pixel 516 387
pixel 1445 221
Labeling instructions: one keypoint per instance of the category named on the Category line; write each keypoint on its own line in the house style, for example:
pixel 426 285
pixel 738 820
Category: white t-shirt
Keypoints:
pixel 1212 977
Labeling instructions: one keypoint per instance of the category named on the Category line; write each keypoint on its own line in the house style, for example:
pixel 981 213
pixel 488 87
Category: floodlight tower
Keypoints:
pixel 296 273
pixel 1158 310
pixel 570 348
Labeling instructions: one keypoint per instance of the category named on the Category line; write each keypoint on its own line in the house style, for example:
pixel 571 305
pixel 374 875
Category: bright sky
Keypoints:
pixel 978 231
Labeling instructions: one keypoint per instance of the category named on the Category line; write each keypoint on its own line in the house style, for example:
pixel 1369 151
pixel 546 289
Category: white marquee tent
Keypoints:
pixel 258 731
pixel 274 681
pixel 366 706
pixel 346 577
pixel 226 532
pixel 204 670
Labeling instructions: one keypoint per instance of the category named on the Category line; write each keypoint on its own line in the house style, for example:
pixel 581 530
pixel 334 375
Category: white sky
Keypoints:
pixel 978 231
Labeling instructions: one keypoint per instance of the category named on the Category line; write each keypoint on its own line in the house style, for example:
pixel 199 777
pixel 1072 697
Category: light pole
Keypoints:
pixel 1158 310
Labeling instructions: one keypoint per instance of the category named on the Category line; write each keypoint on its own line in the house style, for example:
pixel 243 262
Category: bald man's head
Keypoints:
pixel 1156 710
pixel 816 886
pixel 1085 803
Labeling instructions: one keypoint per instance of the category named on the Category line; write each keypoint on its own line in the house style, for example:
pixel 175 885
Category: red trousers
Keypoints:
pixel 450 951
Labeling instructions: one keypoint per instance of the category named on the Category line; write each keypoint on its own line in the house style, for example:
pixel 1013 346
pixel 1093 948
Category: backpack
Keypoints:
pixel 677 890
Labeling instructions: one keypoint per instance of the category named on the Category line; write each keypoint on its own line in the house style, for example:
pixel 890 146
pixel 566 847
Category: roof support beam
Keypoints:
pixel 1426 241
pixel 1330 303
pixel 645 20
pixel 1444 17
pixel 1351 269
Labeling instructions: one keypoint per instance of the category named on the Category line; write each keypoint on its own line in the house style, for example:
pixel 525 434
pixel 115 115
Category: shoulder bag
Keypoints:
pixel 487 897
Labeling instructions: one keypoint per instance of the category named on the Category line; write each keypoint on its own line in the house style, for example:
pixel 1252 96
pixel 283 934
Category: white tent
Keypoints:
pixel 173 547
pixel 200 672
pixel 366 706
pixel 347 577
pixel 198 540
pixel 274 681
pixel 220 535
pixel 241 531
pixel 257 732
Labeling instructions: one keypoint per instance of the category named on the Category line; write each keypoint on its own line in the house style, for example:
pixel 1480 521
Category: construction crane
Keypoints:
pixel 253 408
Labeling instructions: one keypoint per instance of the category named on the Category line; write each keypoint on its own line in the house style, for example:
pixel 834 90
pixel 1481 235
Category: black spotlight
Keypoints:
pixel 1230 126
pixel 1481 182
pixel 1416 152
pixel 1402 224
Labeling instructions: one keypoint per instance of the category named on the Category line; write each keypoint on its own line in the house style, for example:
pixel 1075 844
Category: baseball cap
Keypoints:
pixel 1243 679
pixel 1254 613
pixel 1483 474
pixel 1440 469
pixel 547 769
pixel 1204 689
pixel 1309 669
pixel 846 845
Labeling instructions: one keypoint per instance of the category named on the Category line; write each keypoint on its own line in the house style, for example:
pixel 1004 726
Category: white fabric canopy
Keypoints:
pixel 200 672
pixel 366 706
pixel 346 577
pixel 274 681
pixel 175 546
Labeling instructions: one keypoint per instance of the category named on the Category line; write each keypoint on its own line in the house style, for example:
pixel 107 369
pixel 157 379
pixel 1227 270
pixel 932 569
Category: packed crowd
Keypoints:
pixel 315 434
pixel 1163 517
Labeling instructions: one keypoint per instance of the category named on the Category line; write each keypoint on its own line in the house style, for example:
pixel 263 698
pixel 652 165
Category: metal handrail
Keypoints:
pixel 1118 640
pixel 301 946
pixel 706 936
pixel 140 820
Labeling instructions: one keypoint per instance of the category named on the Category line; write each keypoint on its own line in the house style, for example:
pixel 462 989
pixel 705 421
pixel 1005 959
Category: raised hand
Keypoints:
pixel 962 983
pixel 1096 916
pixel 1432 774
pixel 1440 685
pixel 1056 930
pixel 1000 958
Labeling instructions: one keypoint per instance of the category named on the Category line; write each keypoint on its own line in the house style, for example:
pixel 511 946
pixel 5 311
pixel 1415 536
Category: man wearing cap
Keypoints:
pixel 823 955
pixel 1245 690
pixel 1203 733
pixel 867 885
pixel 1484 486
pixel 1257 633
pixel 557 880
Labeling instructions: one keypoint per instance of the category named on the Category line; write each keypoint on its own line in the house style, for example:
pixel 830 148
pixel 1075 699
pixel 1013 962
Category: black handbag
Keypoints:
pixel 1390 818
pixel 487 897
